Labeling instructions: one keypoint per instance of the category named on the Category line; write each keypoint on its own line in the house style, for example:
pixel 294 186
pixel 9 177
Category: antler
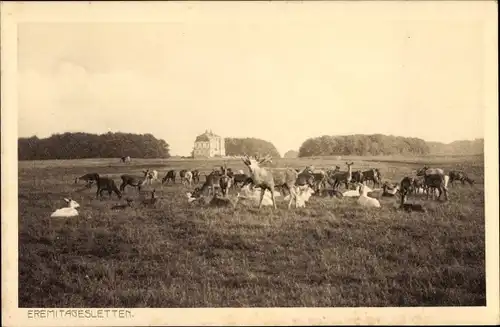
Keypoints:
pixel 267 158
pixel 245 159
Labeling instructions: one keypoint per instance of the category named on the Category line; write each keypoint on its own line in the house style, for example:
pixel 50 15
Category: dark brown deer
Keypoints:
pixel 372 175
pixel 405 188
pixel 344 177
pixel 107 184
pixel 196 176
pixel 357 177
pixel 169 177
pixel 458 175
pixel 88 178
pixel 133 181
pixel 434 178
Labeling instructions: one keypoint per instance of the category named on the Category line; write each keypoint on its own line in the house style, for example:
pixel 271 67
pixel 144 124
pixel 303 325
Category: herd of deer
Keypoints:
pixel 293 181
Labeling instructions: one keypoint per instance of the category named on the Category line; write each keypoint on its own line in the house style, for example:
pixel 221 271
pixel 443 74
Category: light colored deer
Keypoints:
pixel 261 177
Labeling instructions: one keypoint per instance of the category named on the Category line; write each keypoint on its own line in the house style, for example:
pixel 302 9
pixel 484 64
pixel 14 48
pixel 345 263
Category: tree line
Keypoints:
pixel 379 144
pixel 249 146
pixel 114 145
pixel 362 145
pixel 85 145
pixel 463 147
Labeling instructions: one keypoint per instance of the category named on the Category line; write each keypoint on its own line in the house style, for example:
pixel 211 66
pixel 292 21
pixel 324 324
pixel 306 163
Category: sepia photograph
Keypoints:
pixel 250 155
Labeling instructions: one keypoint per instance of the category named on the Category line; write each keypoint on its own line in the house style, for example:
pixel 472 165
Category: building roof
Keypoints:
pixel 205 137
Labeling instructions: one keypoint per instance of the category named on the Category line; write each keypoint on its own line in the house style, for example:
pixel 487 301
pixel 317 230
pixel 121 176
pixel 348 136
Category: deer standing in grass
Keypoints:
pixel 342 177
pixel 261 177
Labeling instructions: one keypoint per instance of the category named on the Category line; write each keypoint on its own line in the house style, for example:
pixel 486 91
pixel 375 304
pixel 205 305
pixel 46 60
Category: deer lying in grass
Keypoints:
pixel 342 177
pixel 352 193
pixel 261 177
pixel 151 201
pixel 302 196
pixel 409 207
pixel 253 196
pixel 133 181
pixel 69 211
pixel 389 189
pixel 365 200
pixel 107 184
pixel 223 202
pixel 123 206
pixel 88 178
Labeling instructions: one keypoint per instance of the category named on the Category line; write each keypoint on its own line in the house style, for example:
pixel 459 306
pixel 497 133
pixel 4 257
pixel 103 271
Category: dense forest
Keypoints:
pixel 85 145
pixel 250 146
pixel 361 145
pixel 378 144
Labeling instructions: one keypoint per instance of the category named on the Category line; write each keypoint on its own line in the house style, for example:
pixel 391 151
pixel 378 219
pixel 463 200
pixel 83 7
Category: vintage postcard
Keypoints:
pixel 249 163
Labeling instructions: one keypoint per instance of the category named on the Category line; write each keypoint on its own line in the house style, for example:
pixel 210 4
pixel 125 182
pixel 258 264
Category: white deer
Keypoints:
pixel 261 177
pixel 69 211
pixel 365 200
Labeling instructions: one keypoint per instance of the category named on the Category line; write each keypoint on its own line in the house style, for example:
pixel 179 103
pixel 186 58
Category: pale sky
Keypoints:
pixel 280 82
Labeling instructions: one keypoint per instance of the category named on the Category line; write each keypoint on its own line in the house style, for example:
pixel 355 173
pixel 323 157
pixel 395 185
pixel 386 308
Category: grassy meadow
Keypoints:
pixel 333 253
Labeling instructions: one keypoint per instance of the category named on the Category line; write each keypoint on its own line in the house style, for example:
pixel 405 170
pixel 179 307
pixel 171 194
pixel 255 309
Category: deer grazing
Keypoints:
pixel 170 176
pixel 150 176
pixel 457 175
pixel 133 181
pixel 107 184
pixel 88 178
pixel 261 177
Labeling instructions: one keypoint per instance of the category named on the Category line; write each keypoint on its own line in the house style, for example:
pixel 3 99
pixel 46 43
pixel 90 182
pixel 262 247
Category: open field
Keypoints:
pixel 333 253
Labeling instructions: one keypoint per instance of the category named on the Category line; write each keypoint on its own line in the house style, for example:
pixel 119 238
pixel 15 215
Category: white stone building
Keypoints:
pixel 208 145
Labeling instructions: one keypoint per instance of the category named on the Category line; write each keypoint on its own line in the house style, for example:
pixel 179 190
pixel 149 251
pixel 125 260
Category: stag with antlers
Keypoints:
pixel 261 177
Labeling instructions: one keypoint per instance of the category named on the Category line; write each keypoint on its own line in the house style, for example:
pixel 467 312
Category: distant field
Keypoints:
pixel 332 253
